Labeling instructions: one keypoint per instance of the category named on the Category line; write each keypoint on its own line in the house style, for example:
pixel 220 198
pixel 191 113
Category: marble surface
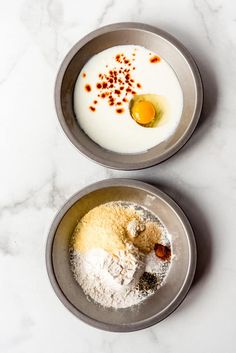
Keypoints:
pixel 40 169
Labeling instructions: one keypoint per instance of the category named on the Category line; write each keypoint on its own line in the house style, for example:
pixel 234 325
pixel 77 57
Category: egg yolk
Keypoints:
pixel 143 112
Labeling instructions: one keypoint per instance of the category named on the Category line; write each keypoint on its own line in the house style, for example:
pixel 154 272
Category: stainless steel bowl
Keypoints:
pixel 151 38
pixel 154 308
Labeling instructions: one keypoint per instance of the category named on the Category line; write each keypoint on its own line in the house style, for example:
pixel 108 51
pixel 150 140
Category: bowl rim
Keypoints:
pixel 191 266
pixel 196 78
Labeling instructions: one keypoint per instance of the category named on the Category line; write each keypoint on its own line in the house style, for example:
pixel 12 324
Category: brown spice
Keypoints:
pixel 162 251
pixel 92 108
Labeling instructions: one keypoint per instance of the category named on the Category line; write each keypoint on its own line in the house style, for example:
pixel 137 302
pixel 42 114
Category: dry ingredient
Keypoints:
pixel 113 254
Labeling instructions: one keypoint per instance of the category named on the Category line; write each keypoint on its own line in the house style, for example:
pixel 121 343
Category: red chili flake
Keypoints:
pixel 111 103
pixel 111 86
pixel 110 80
pixel 121 88
pixel 104 85
pixel 92 109
pixel 88 88
pixel 117 91
pixel 126 61
pixel 155 59
pixel 103 95
pixel 134 68
pixel 84 74
pixel 99 85
pixel 118 103
pixel 139 85
pixel 131 80
pixel 129 64
pixel 125 100
pixel 95 102
pixel 120 110
pixel 133 92
pixel 128 89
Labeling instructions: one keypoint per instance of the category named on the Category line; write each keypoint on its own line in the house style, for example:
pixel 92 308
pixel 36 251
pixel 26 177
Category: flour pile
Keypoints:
pixel 118 271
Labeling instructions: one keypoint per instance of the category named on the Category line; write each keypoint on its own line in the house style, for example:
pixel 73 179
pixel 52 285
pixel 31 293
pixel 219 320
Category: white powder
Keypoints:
pixel 112 281
pixel 126 277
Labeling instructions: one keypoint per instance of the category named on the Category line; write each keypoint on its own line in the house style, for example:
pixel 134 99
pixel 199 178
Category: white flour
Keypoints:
pixel 113 281
pixel 126 277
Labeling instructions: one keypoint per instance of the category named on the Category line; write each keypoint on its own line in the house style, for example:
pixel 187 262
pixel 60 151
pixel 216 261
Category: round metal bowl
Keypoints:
pixel 151 38
pixel 156 307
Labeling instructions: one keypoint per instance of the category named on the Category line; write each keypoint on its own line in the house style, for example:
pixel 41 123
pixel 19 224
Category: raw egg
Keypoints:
pixel 147 109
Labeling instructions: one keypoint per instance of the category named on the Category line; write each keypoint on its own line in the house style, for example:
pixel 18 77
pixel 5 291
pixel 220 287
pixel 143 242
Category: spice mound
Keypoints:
pixel 120 254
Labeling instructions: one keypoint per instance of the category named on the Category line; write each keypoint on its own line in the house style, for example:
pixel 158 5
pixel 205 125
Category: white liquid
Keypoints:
pixel 119 132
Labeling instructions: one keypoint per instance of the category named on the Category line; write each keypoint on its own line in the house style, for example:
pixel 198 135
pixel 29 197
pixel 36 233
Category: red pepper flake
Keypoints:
pixel 99 85
pixel 104 85
pixel 128 89
pixel 139 85
pixel 133 92
pixel 84 74
pixel 95 102
pixel 120 110
pixel 92 108
pixel 125 100
pixel 118 103
pixel 88 88
pixel 121 88
pixel 103 95
pixel 126 61
pixel 117 91
pixel 155 59
pixel 111 80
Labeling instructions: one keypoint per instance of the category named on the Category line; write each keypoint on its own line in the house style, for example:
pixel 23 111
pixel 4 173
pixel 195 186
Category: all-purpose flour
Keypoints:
pixel 92 273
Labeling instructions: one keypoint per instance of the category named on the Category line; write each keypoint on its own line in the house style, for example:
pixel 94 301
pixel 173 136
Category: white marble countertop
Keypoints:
pixel 40 169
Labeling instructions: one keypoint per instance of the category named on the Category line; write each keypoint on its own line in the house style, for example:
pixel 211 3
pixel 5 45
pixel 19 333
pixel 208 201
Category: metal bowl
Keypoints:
pixel 153 309
pixel 151 38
